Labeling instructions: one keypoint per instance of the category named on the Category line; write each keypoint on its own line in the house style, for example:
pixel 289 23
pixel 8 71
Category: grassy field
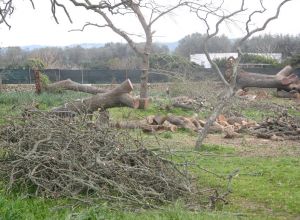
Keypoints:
pixel 266 186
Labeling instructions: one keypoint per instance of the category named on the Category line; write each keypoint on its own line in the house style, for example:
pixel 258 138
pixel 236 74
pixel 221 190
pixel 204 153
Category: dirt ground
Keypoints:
pixel 257 147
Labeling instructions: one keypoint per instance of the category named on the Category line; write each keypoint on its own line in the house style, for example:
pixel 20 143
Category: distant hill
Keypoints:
pixel 170 45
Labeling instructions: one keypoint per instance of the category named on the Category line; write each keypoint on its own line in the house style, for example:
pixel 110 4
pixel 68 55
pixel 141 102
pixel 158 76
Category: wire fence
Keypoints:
pixel 26 76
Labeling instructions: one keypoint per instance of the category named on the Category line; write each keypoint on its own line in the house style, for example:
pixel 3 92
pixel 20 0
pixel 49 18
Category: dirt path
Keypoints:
pixel 256 147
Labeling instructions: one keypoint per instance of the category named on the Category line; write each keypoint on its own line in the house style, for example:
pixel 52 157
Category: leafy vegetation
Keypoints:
pixel 250 59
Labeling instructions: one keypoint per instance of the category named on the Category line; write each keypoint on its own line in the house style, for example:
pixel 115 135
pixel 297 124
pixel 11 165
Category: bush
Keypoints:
pixel 250 58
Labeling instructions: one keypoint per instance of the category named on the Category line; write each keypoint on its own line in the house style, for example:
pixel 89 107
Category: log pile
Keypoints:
pixel 282 128
pixel 230 126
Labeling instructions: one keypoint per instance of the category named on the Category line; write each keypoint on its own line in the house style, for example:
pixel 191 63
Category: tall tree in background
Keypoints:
pixel 193 44
pixel 287 45
pixel 147 12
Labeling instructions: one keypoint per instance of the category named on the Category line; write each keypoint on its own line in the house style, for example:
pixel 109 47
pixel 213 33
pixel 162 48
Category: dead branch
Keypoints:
pixel 48 156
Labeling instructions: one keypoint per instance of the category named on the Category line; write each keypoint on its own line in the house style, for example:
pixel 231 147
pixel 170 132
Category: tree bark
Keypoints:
pixel 289 95
pixel 144 126
pixel 218 108
pixel 284 79
pixel 182 122
pixel 117 97
pixel 68 84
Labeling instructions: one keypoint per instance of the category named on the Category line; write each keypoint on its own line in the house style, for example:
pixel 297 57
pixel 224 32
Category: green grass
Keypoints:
pixel 47 209
pixel 13 103
pixel 255 114
pixel 294 112
pixel 263 186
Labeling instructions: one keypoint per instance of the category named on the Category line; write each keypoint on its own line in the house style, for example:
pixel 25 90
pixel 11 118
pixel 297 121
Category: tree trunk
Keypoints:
pixel 74 86
pixel 125 98
pixel 213 117
pixel 38 84
pixel 284 79
pixel 117 97
pixel 0 82
pixel 144 82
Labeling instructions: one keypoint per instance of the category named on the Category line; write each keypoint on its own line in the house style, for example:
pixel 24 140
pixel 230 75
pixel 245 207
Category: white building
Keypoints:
pixel 201 58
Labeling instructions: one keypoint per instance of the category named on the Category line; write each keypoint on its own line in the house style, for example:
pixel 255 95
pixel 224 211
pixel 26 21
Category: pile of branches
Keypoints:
pixel 54 157
pixel 282 127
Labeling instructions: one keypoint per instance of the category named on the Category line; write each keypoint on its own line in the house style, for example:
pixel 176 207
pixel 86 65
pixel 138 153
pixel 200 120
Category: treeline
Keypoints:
pixel 111 56
pixel 117 56
pixel 287 45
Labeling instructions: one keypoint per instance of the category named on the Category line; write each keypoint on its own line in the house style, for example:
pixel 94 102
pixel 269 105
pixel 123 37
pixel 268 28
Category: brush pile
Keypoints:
pixel 54 157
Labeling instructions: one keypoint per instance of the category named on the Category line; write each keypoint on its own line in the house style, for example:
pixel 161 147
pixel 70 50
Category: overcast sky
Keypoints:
pixel 37 27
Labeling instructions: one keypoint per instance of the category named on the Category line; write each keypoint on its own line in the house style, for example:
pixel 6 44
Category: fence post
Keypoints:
pixel 29 74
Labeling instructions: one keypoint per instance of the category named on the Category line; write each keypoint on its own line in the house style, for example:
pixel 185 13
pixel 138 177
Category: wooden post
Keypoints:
pixel 29 74
pixel 38 86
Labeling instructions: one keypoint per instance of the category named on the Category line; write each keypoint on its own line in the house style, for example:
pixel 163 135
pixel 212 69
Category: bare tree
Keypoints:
pixel 147 12
pixel 221 15
pixel 6 8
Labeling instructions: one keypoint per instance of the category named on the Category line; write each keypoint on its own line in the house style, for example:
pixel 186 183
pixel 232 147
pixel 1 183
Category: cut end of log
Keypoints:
pixel 135 103
pixel 290 79
pixel 130 84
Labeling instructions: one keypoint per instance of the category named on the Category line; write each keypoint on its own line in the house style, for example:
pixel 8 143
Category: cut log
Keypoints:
pixel 181 122
pixel 289 95
pixel 285 79
pixel 216 128
pixel 230 133
pixel 68 84
pixel 159 119
pixel 114 98
pixel 144 126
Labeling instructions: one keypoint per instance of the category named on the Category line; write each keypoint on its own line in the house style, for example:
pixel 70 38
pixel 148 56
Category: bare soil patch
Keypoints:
pixel 250 146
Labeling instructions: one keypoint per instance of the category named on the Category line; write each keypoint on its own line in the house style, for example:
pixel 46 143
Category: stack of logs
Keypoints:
pixel 154 123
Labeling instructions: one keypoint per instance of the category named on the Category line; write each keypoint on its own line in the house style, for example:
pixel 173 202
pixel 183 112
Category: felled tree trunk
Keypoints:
pixel 285 80
pixel 125 98
pixel 74 86
pixel 113 98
